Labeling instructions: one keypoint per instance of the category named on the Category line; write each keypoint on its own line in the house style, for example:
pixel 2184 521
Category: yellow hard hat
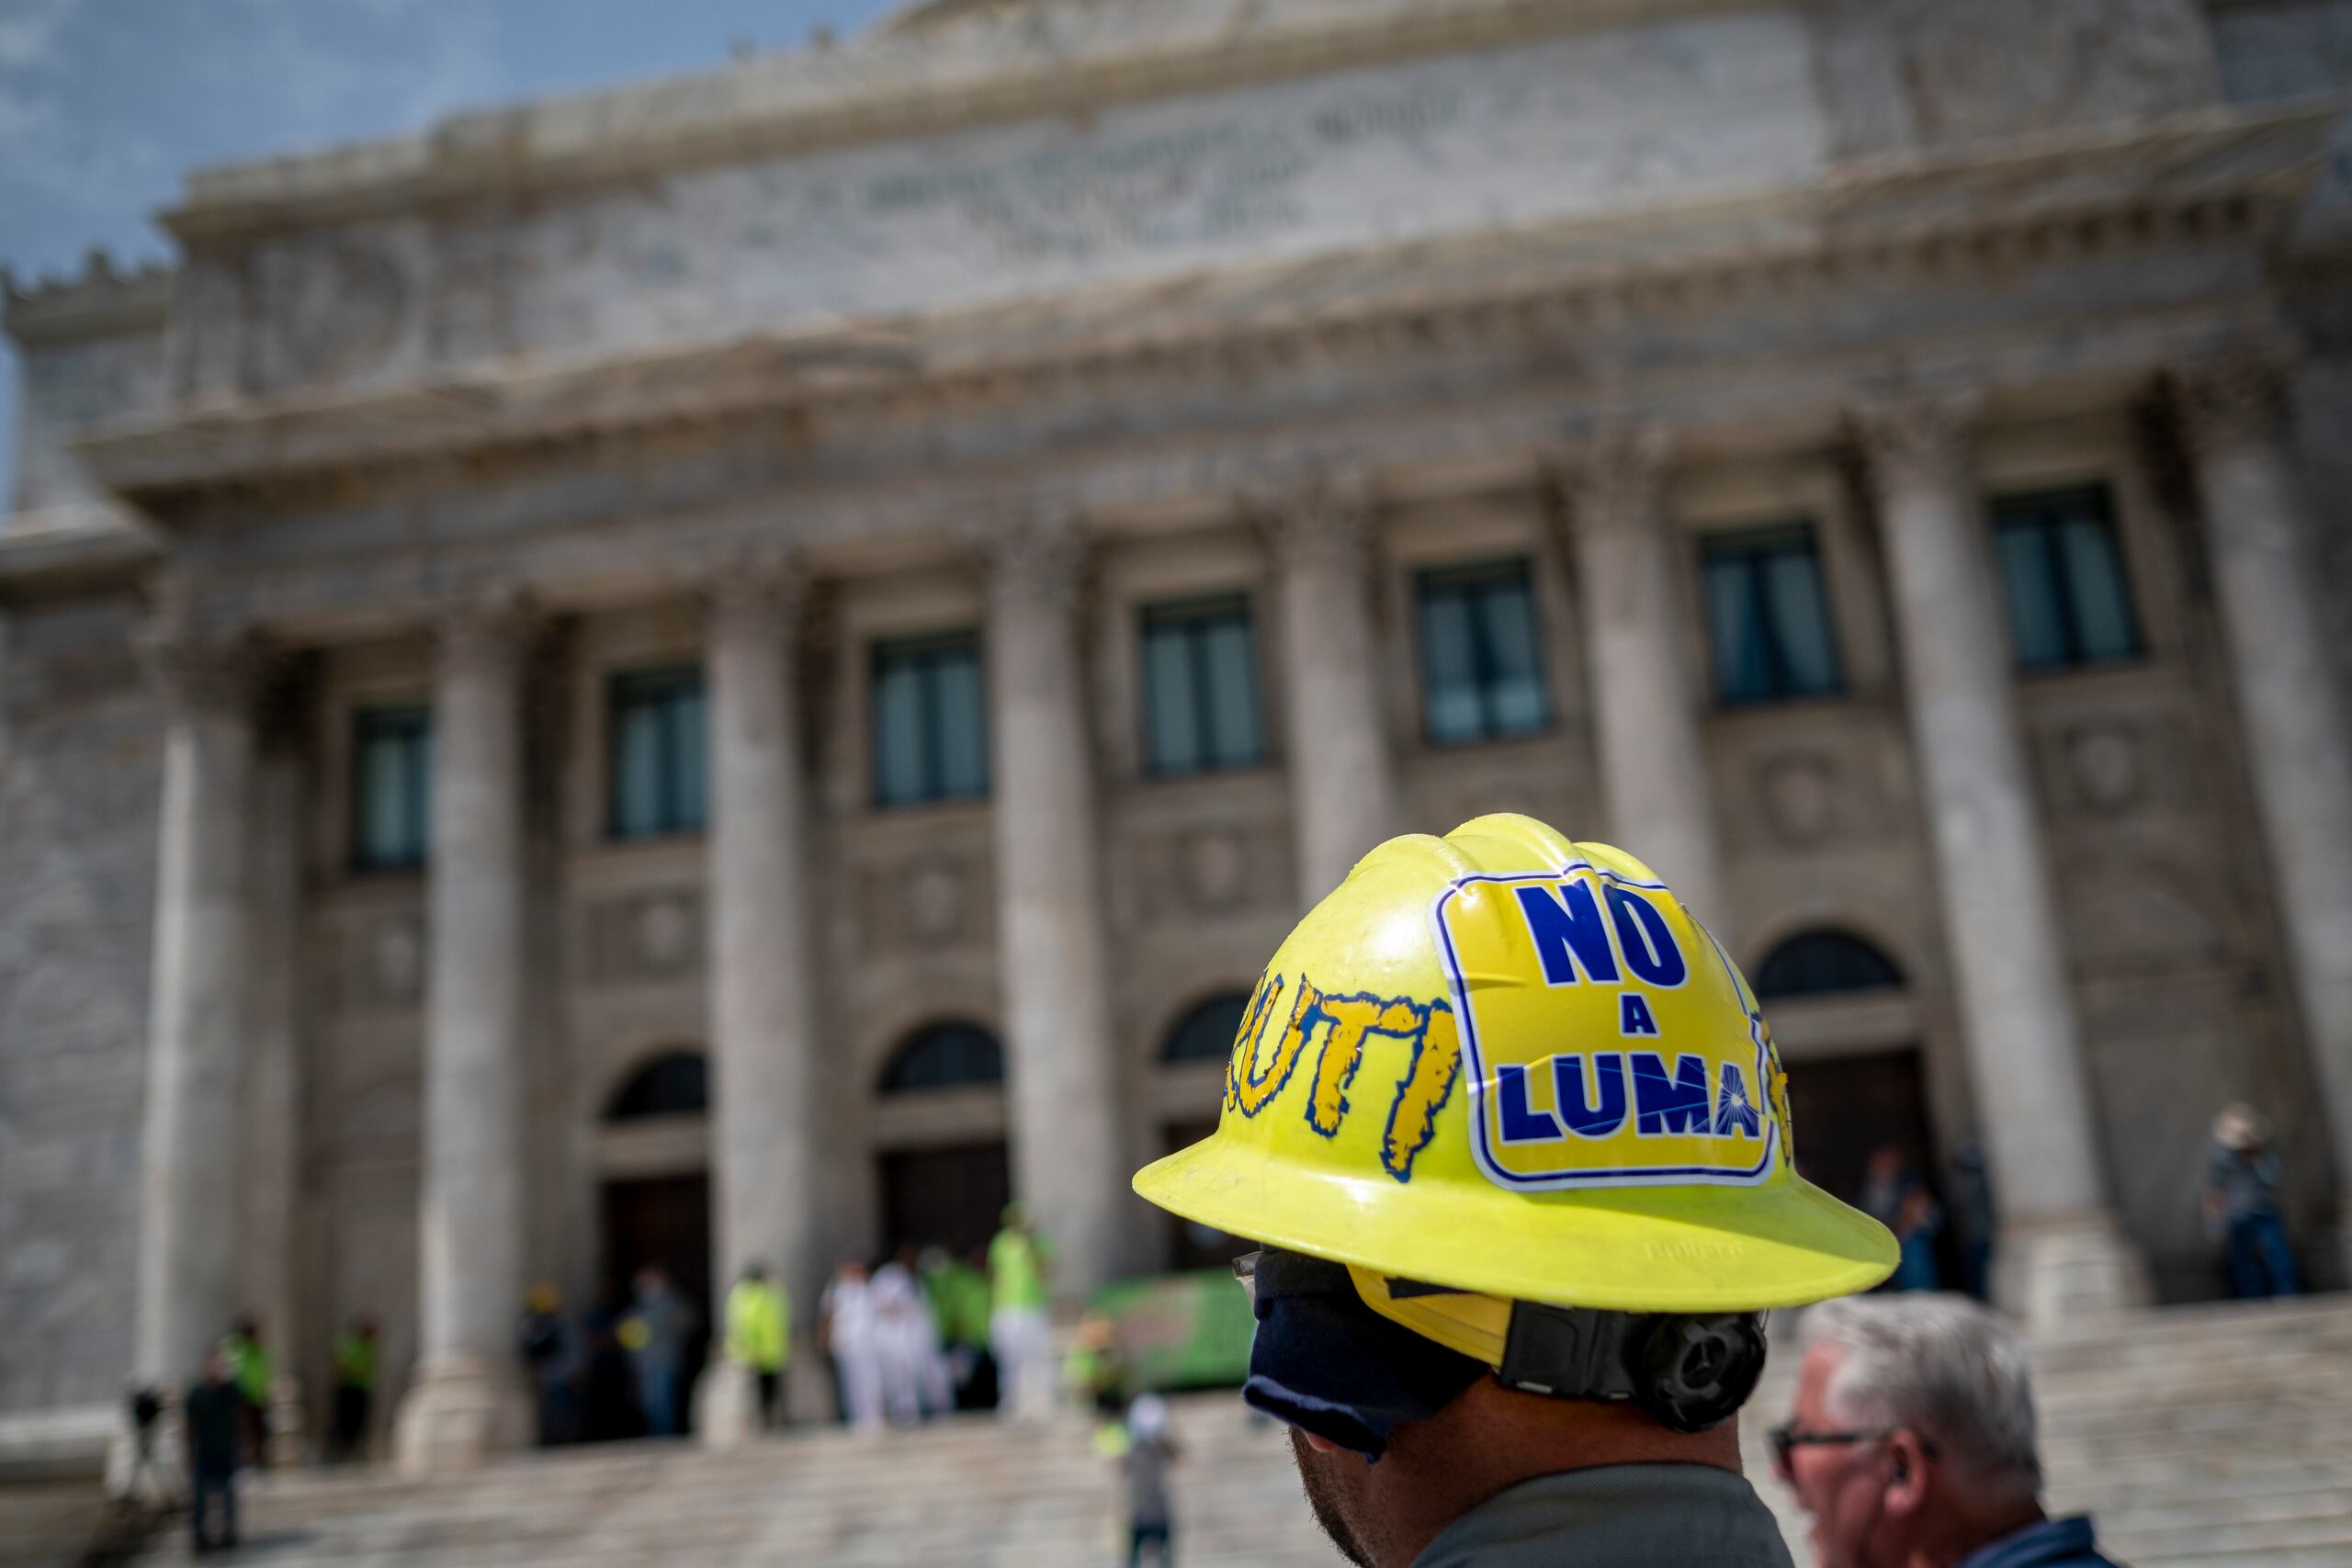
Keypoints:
pixel 1504 1063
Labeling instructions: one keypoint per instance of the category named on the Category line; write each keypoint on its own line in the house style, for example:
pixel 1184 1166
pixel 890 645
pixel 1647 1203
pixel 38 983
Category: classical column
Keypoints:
pixel 189 1284
pixel 1343 790
pixel 1066 1165
pixel 467 1400
pixel 2059 1251
pixel 762 967
pixel 1654 795
pixel 2290 701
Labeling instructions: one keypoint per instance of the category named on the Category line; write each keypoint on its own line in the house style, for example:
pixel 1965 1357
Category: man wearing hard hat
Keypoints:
pixel 1513 1134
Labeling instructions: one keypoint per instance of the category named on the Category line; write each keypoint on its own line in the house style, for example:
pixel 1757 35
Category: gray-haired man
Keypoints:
pixel 1911 1442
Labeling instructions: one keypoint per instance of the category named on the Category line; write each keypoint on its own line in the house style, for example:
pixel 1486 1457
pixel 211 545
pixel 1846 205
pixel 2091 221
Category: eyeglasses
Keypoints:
pixel 1786 1439
pixel 1245 1274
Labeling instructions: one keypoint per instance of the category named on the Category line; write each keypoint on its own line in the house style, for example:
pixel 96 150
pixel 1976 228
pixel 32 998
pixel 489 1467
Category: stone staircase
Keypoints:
pixel 2204 1436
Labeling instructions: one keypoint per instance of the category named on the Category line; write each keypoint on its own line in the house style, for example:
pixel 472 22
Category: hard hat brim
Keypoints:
pixel 1682 1248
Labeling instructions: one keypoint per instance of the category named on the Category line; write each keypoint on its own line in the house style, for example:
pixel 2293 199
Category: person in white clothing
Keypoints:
pixel 847 1311
pixel 903 1340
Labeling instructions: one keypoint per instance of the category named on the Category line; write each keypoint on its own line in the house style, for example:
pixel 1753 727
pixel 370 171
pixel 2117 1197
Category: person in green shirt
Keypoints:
pixel 1020 1331
pixel 958 1294
pixel 759 1318
pixel 250 1371
pixel 355 1390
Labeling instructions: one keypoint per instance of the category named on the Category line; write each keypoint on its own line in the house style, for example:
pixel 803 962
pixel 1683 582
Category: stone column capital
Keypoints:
pixel 1613 478
pixel 489 630
pixel 212 674
pixel 2232 403
pixel 1035 557
pixel 1912 437
pixel 1323 519
pixel 757 593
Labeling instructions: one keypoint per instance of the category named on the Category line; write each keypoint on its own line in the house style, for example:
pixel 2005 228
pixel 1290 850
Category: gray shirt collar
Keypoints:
pixel 1656 1516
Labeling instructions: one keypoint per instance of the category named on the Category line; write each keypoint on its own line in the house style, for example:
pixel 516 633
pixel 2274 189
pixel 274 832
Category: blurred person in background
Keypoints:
pixel 1020 1332
pixel 2242 1176
pixel 655 1333
pixel 759 1327
pixel 1911 1441
pixel 213 1414
pixel 1094 1371
pixel 1971 1189
pixel 958 1293
pixel 1896 1199
pixel 845 1317
pixel 250 1370
pixel 552 1355
pixel 355 1391
pixel 1150 1448
pixel 901 1334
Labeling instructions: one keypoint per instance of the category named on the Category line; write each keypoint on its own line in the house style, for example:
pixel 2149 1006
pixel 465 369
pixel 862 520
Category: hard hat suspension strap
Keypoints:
pixel 1688 1373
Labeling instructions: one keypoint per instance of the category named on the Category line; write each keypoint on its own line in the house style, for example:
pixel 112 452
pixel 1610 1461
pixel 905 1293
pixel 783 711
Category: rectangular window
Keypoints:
pixel 2062 574
pixel 656 738
pixel 391 779
pixel 1200 687
pixel 930 721
pixel 1768 616
pixel 1482 657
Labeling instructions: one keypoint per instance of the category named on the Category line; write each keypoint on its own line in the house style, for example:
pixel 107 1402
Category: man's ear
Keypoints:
pixel 1907 1464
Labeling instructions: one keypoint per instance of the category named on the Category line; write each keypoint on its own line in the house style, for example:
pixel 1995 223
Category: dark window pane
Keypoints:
pixel 1768 616
pixel 676 1083
pixel 1206 1032
pixel 961 710
pixel 2069 599
pixel 1482 654
pixel 898 762
pixel 391 766
pixel 2094 578
pixel 1231 692
pixel 655 723
pixel 1450 667
pixel 1170 708
pixel 2037 627
pixel 1799 621
pixel 928 721
pixel 1200 687
pixel 690 738
pixel 1515 698
pixel 944 1056
pixel 1818 963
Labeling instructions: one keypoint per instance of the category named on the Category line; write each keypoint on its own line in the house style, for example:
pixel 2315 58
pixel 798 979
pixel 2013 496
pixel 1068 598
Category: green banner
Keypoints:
pixel 1180 1330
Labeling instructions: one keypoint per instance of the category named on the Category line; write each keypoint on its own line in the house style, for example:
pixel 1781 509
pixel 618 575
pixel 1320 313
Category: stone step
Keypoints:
pixel 2213 1436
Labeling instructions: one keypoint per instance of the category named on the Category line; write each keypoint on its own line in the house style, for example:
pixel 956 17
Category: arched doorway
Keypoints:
pixel 1202 1036
pixel 655 1213
pixel 946 1178
pixel 1869 1096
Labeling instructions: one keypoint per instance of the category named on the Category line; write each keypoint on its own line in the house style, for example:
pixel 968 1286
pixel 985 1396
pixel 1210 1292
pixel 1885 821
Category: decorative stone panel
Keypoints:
pixel 647 935
pixel 929 897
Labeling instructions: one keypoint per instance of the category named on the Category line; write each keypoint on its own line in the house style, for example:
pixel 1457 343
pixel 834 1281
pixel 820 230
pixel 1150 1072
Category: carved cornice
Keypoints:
pixel 1933 221
pixel 2232 405
pixel 876 88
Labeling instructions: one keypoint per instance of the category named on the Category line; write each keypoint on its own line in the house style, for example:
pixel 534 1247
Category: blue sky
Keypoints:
pixel 103 104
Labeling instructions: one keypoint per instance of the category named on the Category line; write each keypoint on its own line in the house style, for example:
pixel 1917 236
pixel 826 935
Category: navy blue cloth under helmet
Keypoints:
pixel 1324 1363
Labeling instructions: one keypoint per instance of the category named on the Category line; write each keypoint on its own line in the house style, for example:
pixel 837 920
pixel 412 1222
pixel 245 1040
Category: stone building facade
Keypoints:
pixel 1881 462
